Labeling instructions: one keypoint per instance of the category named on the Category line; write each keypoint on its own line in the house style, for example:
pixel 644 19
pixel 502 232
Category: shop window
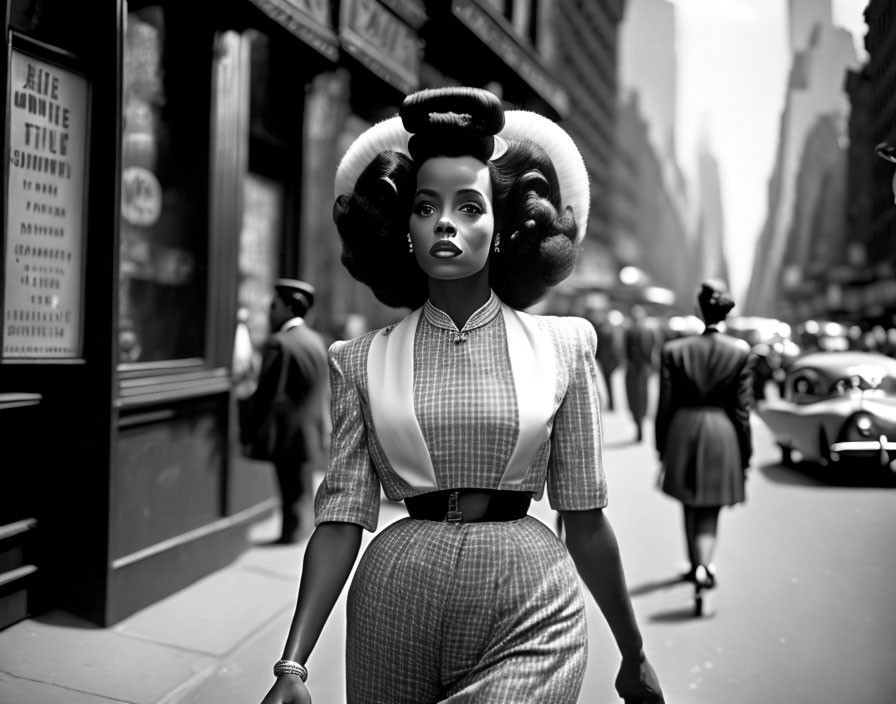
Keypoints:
pixel 263 200
pixel 273 118
pixel 162 281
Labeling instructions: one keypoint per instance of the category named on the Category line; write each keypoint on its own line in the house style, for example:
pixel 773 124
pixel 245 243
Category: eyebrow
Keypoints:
pixel 462 191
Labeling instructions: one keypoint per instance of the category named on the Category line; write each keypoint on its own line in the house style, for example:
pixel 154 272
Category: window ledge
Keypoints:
pixel 166 388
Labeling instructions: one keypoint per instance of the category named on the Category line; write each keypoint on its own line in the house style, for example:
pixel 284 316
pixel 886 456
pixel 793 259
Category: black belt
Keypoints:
pixel 469 505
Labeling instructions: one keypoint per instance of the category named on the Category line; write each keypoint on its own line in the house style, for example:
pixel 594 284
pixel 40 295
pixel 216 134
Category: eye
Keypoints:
pixel 471 209
pixel 424 209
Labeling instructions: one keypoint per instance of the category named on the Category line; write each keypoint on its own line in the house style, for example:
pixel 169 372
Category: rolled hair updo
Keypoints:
pixel 537 238
pixel 714 302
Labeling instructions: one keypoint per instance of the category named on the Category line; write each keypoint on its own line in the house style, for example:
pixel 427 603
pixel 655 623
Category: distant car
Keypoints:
pixel 836 406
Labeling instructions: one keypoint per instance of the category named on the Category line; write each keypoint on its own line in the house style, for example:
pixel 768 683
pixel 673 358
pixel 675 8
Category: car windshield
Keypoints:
pixel 865 380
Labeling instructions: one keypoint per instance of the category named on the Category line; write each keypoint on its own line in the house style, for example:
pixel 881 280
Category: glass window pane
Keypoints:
pixel 163 211
pixel 263 203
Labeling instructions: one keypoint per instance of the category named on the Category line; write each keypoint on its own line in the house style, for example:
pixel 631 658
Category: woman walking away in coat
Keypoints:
pixel 703 428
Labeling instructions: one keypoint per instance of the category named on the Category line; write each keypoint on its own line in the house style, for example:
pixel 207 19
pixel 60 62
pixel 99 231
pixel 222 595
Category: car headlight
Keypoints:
pixel 864 425
pixel 860 427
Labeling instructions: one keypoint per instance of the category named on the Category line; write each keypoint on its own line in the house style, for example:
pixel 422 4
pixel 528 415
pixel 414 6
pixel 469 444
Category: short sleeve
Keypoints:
pixel 350 491
pixel 576 480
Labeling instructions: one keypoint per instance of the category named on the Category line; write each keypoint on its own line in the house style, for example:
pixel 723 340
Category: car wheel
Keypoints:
pixel 786 456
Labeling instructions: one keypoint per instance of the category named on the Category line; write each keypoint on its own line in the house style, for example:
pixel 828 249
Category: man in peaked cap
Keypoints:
pixel 286 420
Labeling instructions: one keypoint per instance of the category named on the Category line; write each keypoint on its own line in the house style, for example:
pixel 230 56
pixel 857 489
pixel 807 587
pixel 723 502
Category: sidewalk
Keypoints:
pixel 213 642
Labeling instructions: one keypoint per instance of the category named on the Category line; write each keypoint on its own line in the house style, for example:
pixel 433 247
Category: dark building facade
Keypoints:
pixel 880 42
pixel 587 56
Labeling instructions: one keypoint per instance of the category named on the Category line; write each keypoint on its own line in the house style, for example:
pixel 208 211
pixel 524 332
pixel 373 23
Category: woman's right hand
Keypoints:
pixel 288 689
pixel 637 683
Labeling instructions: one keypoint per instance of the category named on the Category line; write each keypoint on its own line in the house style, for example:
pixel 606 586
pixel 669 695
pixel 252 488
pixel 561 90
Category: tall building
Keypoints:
pixel 584 53
pixel 651 209
pixel 803 16
pixel 880 41
pixel 710 245
pixel 651 234
pixel 868 293
pixel 648 64
pixel 814 93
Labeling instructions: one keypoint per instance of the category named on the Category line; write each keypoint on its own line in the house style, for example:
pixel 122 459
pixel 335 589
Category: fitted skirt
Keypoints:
pixel 462 613
pixel 701 462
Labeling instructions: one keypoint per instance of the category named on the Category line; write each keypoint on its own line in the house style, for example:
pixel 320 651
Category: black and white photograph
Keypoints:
pixel 448 352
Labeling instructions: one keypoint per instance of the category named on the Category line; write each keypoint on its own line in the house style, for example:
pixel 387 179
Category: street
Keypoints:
pixel 805 610
pixel 804 607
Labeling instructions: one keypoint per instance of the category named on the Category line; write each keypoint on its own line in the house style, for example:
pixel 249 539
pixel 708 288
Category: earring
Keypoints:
pixel 497 242
pixel 410 244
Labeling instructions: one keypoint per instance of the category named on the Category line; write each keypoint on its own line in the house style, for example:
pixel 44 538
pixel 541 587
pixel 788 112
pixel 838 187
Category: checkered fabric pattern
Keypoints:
pixel 463 613
pixel 465 403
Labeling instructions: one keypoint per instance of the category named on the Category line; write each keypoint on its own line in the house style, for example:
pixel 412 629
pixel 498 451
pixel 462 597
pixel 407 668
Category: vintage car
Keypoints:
pixel 836 406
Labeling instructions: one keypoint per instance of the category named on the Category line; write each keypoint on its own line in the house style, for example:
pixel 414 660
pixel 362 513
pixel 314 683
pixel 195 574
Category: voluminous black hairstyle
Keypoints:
pixel 537 238
pixel 714 301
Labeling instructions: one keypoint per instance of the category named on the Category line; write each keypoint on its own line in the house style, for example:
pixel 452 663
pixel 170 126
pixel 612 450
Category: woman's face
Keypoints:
pixel 452 220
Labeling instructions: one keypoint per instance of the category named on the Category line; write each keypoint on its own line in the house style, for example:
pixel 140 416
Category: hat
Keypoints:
pixel 572 175
pixel 295 291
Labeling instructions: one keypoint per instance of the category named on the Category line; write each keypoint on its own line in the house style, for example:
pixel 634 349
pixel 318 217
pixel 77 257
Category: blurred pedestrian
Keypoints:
pixel 767 368
pixel 640 351
pixel 703 428
pixel 465 409
pixel 286 420
pixel 610 352
pixel 887 150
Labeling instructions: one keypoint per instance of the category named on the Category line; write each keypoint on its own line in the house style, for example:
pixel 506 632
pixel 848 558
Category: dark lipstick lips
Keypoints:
pixel 443 247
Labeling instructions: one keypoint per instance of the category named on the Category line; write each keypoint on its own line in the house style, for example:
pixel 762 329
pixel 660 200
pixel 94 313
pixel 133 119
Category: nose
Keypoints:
pixel 445 227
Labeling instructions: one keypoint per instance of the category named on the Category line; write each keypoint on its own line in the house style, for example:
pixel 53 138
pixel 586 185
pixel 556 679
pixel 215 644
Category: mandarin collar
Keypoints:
pixel 482 316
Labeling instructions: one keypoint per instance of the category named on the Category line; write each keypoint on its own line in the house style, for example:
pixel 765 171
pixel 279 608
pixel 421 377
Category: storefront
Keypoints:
pixel 167 161
pixel 153 188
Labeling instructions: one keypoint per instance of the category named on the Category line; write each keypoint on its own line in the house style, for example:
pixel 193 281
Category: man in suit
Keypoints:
pixel 289 412
pixel 640 351
pixel 609 350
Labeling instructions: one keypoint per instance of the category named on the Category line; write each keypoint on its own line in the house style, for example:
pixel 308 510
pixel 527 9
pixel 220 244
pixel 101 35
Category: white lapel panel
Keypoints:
pixel 390 384
pixel 534 366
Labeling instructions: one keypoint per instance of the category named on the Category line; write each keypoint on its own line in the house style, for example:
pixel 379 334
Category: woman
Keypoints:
pixel 465 410
pixel 703 428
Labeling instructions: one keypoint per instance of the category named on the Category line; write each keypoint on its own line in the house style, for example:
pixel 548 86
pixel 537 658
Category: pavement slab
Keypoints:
pixel 214 615
pixel 68 652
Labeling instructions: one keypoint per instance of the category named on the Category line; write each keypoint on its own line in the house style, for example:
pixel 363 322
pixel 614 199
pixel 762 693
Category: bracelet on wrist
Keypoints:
pixel 290 667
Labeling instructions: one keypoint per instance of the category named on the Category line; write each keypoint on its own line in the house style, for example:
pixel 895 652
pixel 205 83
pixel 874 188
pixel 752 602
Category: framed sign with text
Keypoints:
pixel 48 114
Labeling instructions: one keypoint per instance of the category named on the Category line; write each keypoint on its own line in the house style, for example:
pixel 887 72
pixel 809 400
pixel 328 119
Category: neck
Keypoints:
pixel 460 298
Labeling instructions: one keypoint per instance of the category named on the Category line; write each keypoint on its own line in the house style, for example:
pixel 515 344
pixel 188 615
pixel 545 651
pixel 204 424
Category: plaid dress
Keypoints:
pixel 464 612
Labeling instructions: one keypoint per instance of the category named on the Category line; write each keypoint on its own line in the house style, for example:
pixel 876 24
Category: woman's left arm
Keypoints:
pixel 592 543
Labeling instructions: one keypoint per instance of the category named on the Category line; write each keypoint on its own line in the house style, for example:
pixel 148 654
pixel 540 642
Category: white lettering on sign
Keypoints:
pixel 46 169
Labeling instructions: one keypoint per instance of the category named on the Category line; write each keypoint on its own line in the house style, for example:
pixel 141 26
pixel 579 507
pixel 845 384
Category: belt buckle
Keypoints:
pixel 453 515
